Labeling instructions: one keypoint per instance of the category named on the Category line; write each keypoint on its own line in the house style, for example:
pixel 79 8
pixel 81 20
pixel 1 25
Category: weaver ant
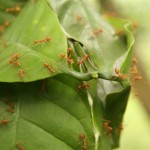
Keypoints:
pixel 13 9
pixel 97 32
pixel 82 137
pixel 20 146
pixel 83 59
pixel 4 121
pixel 120 75
pixel 83 86
pixel 49 68
pixel 69 60
pixel 107 127
pixel 21 73
pixel 47 39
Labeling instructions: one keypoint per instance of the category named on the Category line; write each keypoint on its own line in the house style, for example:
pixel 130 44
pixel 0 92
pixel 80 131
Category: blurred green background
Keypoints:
pixel 136 132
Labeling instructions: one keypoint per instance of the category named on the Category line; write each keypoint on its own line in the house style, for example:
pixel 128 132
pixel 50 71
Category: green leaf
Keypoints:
pixel 21 40
pixel 84 24
pixel 109 104
pixel 52 118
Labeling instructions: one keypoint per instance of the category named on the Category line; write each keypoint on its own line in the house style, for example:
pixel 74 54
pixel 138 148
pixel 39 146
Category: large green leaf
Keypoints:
pixel 46 119
pixel 20 39
pixel 109 104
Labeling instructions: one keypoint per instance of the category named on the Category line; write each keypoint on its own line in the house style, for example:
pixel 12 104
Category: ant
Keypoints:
pixel 69 49
pixel 13 9
pixel 5 24
pixel 79 18
pixel 21 72
pixel 120 75
pixel 4 121
pixel 15 56
pixel 97 32
pixel 47 39
pixel 10 109
pixel 119 33
pixel 134 70
pixel 82 137
pixel 135 25
pixel 83 86
pixel 14 62
pixel 138 77
pixel 83 59
pixel 49 68
pixel 14 59
pixel 69 60
pixel 20 146
pixel 107 127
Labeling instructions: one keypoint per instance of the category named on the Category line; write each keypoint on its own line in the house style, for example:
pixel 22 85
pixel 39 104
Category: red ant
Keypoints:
pixel 79 18
pixel 4 121
pixel 82 137
pixel 13 59
pixel 15 56
pixel 69 49
pixel 69 60
pixel 13 9
pixel 20 146
pixel 5 24
pixel 47 39
pixel 83 59
pixel 10 107
pixel 83 86
pixel 120 75
pixel 138 77
pixel 119 32
pixel 17 63
pixel 97 32
pixel 134 70
pixel 10 110
pixel 107 127
pixel 21 72
pixel 49 68
pixel 135 25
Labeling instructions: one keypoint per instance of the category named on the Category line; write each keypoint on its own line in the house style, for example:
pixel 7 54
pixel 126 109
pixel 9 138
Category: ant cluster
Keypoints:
pixel 14 60
pixel 9 108
pixel 109 129
pixel 135 75
pixel 134 71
